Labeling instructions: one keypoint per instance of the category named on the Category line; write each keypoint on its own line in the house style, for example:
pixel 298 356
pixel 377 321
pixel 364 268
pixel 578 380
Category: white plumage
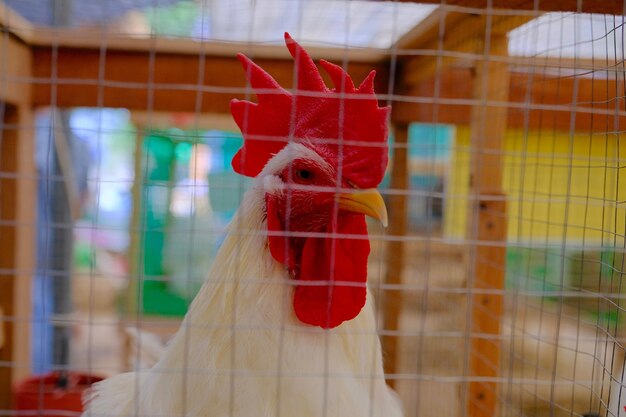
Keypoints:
pixel 241 352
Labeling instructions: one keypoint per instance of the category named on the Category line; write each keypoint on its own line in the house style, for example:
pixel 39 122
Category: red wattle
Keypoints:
pixel 332 277
pixel 331 272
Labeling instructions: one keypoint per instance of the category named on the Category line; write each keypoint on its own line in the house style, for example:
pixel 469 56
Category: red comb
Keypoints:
pixel 343 124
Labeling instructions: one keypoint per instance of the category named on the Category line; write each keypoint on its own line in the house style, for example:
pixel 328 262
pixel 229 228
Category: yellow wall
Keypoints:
pixel 556 185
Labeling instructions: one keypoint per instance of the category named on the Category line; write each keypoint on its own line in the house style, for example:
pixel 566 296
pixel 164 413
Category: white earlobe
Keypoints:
pixel 273 184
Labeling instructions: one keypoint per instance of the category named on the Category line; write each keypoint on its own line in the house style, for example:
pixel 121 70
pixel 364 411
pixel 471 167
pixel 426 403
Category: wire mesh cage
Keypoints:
pixel 133 251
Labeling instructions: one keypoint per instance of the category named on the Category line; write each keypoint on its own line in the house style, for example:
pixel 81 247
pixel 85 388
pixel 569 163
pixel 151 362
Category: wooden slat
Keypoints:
pixel 163 82
pixel 391 302
pixel 587 6
pixel 596 99
pixel 611 66
pixel 488 128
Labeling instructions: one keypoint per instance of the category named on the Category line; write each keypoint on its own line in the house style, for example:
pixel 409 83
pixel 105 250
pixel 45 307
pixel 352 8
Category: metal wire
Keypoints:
pixel 561 339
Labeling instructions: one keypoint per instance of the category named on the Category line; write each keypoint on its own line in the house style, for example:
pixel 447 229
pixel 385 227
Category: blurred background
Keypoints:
pixel 506 184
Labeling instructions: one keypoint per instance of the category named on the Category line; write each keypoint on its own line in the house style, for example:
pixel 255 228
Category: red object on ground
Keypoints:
pixel 41 393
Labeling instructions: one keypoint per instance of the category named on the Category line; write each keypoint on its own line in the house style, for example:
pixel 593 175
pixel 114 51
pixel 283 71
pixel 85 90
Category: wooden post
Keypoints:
pixel 8 248
pixel 18 193
pixel 392 299
pixel 489 264
pixel 18 201
pixel 487 227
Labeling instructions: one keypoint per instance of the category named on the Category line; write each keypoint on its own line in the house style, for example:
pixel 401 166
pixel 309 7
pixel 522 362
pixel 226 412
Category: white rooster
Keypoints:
pixel 283 325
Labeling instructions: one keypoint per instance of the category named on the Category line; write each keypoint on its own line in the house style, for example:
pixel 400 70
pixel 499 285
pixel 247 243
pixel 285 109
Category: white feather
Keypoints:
pixel 145 348
pixel 241 352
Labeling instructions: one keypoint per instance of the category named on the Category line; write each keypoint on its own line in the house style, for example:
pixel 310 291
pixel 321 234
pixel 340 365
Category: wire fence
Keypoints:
pixel 496 288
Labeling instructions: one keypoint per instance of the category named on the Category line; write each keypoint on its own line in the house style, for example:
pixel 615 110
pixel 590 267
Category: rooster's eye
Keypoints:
pixel 304 174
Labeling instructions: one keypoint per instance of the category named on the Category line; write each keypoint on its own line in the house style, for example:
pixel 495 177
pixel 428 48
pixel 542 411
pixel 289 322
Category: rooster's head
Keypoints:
pixel 320 152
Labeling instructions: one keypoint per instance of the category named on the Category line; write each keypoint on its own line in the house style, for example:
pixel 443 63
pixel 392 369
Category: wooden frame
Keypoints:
pixel 587 6
pixel 71 68
pixel 535 101
pixel 18 185
pixel 141 80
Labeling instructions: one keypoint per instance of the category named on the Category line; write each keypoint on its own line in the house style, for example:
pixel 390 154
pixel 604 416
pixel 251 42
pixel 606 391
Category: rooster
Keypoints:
pixel 283 325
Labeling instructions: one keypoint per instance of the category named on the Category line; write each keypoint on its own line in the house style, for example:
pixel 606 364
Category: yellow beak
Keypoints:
pixel 368 202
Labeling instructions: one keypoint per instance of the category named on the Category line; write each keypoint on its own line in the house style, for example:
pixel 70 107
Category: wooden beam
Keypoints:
pixel 392 298
pixel 488 128
pixel 16 24
pixel 446 35
pixel 81 38
pixel 427 31
pixel 143 80
pixel 489 121
pixel 615 7
pixel 446 25
pixel 536 66
pixel 15 62
pixel 535 101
